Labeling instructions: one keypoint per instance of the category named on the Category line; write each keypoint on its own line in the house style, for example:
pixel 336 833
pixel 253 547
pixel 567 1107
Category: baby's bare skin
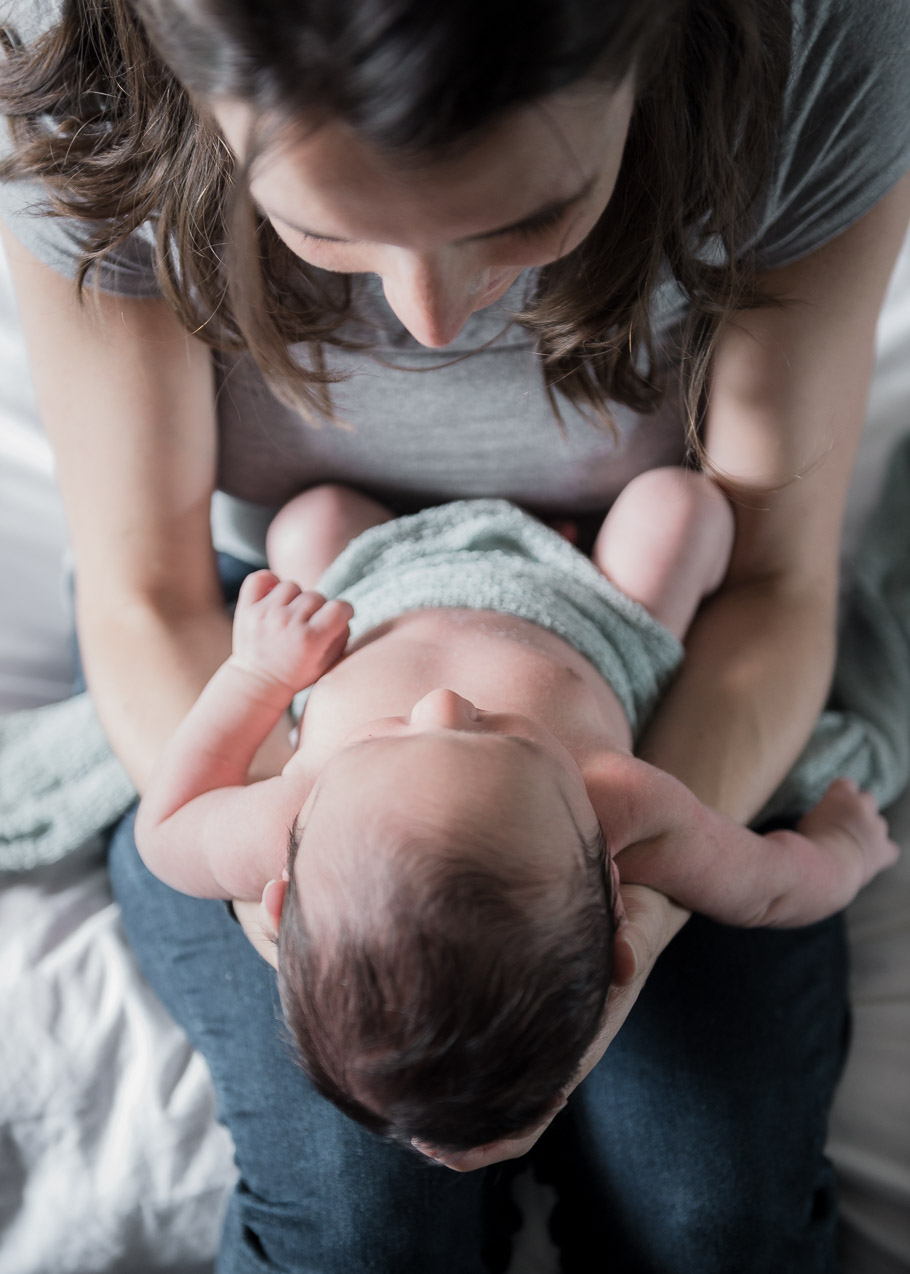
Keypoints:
pixel 497 661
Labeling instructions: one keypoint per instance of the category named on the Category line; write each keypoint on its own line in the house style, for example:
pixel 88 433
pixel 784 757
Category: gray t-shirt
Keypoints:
pixel 473 420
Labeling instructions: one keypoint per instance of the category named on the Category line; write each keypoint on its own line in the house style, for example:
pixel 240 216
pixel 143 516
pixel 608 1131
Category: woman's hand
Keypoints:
pixel 285 636
pixel 650 920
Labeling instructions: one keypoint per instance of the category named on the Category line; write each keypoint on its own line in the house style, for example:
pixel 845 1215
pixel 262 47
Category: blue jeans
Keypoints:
pixel 696 1145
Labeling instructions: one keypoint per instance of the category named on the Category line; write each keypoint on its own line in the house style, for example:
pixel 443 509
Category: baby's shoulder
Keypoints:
pixel 618 786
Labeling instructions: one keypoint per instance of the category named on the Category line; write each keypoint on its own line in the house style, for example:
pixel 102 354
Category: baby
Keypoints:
pixel 438 862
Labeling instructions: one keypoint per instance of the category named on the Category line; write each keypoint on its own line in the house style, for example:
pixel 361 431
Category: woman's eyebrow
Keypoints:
pixel 545 213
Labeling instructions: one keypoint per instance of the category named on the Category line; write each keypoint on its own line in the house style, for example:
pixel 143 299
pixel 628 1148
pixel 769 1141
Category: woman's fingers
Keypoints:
pixel 495 1151
pixel 650 921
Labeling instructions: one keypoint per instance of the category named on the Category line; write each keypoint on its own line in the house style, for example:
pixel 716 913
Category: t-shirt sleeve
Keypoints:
pixel 129 270
pixel 845 131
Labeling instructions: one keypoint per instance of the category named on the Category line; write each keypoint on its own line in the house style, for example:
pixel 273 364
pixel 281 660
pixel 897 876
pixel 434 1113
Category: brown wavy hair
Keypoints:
pixel 108 110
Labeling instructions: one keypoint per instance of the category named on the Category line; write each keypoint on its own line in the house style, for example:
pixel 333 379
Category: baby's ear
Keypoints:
pixel 272 902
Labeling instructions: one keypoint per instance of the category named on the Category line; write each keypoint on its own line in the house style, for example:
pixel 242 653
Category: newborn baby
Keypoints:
pixel 438 862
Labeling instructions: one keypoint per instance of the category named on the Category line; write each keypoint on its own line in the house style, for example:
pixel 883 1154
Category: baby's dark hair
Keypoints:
pixel 457 1010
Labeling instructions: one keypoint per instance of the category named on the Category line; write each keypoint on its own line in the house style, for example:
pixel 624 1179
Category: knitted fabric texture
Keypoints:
pixel 490 555
pixel 60 784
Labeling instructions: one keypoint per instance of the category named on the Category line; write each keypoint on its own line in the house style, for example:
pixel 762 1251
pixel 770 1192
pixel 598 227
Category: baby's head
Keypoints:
pixel 445 944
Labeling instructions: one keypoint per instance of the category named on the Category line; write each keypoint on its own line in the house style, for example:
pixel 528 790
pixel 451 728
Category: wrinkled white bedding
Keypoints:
pixel 110 1156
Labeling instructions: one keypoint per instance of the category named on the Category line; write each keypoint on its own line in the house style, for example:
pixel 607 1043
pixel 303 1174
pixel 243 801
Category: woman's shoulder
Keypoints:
pixel 844 135
pixel 855 19
pixel 30 18
pixel 848 44
pixel 59 242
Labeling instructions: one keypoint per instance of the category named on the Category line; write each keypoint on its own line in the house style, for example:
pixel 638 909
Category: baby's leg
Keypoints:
pixel 311 530
pixel 666 543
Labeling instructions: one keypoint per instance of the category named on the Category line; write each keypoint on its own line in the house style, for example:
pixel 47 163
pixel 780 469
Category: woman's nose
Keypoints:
pixel 432 295
pixel 443 709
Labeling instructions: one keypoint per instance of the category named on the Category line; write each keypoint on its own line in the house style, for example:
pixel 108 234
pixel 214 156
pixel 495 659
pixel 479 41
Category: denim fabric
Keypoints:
pixel 697 1144
pixel 317 1194
pixel 695 1147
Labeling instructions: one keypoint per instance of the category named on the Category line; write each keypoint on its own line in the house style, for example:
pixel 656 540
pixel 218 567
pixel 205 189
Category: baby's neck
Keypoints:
pixel 500 663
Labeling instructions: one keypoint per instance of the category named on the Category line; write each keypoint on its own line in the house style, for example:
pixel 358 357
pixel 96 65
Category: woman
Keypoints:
pixel 701 189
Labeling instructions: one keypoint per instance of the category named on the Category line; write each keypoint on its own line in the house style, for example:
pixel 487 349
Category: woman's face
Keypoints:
pixel 448 237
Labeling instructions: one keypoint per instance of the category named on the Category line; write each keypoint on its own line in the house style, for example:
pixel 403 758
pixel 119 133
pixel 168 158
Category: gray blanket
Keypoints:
pixel 60 784
pixel 491 555
pixel 865 734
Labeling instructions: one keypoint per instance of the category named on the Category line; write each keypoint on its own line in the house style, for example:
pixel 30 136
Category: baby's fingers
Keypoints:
pixel 256 585
pixel 330 616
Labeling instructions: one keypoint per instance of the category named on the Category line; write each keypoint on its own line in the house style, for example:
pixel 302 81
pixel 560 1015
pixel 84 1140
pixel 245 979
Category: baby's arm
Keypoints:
pixel 664 837
pixel 200 828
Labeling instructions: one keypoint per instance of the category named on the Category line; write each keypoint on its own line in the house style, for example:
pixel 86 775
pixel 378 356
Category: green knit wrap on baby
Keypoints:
pixel 490 555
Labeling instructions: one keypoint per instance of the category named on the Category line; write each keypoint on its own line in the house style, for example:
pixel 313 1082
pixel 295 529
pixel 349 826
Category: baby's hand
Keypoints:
pixel 848 821
pixel 286 636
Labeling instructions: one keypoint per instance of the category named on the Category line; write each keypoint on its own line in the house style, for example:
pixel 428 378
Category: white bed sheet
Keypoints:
pixel 110 1156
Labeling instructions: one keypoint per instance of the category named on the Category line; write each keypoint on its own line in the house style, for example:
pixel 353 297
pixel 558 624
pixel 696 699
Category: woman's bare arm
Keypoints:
pixel 788 399
pixel 126 397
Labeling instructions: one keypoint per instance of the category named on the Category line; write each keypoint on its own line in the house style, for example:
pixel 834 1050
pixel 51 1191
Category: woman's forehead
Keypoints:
pixel 542 152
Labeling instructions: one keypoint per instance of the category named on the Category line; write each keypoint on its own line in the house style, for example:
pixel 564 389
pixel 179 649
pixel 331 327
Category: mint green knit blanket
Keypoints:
pixel 490 555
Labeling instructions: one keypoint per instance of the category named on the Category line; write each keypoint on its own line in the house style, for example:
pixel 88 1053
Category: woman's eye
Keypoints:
pixel 540 225
pixel 318 238
pixel 530 230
